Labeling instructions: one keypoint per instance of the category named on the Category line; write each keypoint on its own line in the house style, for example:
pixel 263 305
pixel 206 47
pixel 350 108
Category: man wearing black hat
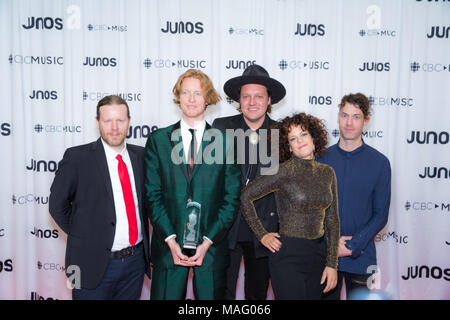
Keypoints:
pixel 256 92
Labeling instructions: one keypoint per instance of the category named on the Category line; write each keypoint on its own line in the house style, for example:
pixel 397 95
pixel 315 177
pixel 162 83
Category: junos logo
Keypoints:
pixel 100 62
pixel 429 137
pixel 5 129
pixel 183 27
pixel 6 265
pixel 44 95
pixel 311 30
pixel 42 166
pixel 43 23
pixel 435 173
pixel 434 272
pixel 320 100
pixel 44 234
pixel 442 32
pixel 37 296
pixel 140 131
pixel 239 64
pixel 375 66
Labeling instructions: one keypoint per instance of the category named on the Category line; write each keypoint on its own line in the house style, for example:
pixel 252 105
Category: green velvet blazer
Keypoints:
pixel 214 182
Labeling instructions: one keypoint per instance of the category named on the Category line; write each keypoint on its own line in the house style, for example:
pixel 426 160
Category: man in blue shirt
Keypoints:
pixel 364 190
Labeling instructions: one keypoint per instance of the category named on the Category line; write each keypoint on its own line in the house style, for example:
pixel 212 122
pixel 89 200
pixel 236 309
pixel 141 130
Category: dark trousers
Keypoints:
pixel 296 269
pixel 257 273
pixel 355 285
pixel 123 280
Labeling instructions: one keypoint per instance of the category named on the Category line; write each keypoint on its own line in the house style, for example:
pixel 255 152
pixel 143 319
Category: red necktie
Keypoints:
pixel 129 200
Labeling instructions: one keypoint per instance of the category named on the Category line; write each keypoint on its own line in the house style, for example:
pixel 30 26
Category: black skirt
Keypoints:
pixel 296 270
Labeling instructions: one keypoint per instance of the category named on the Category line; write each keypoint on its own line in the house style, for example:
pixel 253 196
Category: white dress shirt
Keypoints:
pixel 121 236
pixel 199 128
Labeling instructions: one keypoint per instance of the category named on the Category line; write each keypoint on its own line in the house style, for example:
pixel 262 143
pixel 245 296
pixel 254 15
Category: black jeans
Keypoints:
pixel 355 286
pixel 257 273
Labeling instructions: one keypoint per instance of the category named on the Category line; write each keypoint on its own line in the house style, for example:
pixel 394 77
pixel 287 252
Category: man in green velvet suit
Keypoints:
pixel 179 173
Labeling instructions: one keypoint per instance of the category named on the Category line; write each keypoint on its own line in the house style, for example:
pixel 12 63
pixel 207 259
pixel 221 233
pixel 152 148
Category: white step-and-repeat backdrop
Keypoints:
pixel 59 57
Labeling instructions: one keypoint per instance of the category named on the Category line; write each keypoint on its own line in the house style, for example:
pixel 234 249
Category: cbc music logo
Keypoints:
pixel 43 95
pixel 168 63
pixel 42 165
pixel 50 266
pixel 424 271
pixel 183 27
pixel 5 129
pixel 239 64
pixel 304 65
pixel 43 23
pixel 143 131
pixel 372 134
pixel 45 234
pixel 100 62
pixel 308 29
pixel 21 59
pixel 238 31
pixel 229 100
pixel 426 206
pixel 29 198
pixel 52 128
pixel 391 101
pixel 378 33
pixel 400 239
pixel 107 28
pixel 97 96
pixel 6 265
pixel 435 173
pixel 429 67
pixel 439 32
pixel 375 66
pixel 429 137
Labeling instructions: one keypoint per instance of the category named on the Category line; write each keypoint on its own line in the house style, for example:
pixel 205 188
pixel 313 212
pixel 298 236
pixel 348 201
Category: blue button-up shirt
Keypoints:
pixel 364 193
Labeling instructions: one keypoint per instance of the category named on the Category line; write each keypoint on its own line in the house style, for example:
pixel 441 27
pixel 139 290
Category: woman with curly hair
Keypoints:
pixel 303 263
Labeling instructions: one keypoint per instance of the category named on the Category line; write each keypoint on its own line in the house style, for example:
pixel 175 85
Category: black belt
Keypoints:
pixel 126 252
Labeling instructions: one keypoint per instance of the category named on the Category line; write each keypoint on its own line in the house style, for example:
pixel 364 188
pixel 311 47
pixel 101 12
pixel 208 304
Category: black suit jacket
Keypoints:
pixel 82 204
pixel 265 207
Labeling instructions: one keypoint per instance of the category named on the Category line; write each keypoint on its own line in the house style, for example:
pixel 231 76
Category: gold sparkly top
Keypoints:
pixel 307 202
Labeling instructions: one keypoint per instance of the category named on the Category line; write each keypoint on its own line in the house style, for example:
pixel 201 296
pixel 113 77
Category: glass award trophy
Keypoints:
pixel 191 228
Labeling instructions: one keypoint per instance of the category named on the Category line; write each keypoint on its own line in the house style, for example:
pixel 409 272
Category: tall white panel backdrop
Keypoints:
pixel 59 57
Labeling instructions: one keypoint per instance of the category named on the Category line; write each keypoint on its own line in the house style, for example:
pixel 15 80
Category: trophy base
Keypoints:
pixel 188 252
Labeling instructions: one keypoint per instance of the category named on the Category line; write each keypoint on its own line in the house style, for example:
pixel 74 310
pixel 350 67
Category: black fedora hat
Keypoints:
pixel 257 75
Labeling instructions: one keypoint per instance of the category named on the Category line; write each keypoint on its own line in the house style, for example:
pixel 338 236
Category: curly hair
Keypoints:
pixel 357 99
pixel 313 125
pixel 210 94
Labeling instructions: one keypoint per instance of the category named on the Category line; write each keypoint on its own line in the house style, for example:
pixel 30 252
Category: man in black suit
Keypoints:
pixel 97 199
pixel 256 92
